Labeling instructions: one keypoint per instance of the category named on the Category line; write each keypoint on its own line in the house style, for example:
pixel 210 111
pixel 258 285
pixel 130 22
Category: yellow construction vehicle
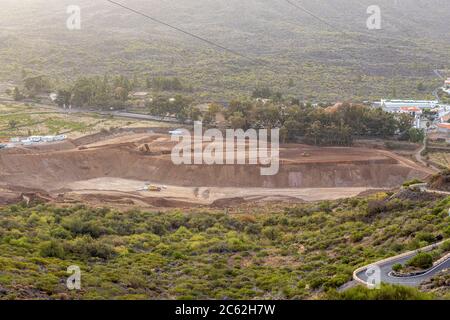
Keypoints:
pixel 153 188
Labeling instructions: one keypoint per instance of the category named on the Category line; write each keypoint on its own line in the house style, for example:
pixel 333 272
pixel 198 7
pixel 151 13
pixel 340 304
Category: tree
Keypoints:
pixel 405 121
pixel 237 120
pixel 421 87
pixel 63 97
pixel 37 84
pixel 17 95
pixel 165 84
pixel 195 114
pixel 315 132
pixel 416 135
pixel 83 92
pixel 12 124
pixel 121 93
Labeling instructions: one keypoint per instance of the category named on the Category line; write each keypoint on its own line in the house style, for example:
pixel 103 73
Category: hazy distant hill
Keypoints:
pixel 345 62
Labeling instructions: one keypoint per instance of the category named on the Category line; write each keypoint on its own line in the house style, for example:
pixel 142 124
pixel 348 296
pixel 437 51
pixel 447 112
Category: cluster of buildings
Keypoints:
pixel 426 113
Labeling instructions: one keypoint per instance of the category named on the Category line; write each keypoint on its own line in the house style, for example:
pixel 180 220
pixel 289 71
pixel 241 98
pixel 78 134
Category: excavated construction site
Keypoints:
pixel 115 169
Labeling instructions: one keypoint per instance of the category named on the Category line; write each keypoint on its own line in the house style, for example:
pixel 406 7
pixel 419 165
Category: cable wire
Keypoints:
pixel 209 42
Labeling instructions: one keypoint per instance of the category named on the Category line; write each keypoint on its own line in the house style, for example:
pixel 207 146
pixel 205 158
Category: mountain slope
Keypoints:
pixel 347 61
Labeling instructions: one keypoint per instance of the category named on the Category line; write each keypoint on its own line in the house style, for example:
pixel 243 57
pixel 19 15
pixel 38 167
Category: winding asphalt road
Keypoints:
pixel 386 271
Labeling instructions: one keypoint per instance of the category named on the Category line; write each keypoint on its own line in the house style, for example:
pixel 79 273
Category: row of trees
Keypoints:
pixel 321 126
pixel 96 91
pixel 32 86
pixel 179 107
pixel 318 125
pixel 114 92
pixel 167 84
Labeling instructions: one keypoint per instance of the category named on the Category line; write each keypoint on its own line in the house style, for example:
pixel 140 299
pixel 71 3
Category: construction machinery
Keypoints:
pixel 152 188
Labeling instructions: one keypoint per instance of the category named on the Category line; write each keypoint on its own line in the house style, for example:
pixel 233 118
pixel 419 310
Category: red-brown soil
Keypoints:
pixel 146 157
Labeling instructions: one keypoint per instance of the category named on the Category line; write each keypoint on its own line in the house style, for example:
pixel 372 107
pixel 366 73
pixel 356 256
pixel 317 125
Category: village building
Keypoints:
pixel 444 128
pixel 447 84
pixel 396 105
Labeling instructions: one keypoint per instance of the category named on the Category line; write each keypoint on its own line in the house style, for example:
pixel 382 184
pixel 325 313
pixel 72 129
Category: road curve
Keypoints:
pixel 386 269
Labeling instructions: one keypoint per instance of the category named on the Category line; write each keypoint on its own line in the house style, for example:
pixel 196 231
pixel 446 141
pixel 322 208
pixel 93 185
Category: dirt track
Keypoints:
pixel 117 165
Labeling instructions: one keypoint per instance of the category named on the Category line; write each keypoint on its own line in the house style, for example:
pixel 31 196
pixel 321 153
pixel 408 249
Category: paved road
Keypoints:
pixel 436 72
pixel 387 277
pixel 123 114
pixel 419 158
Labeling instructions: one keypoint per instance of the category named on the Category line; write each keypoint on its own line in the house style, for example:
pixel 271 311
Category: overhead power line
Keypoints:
pixel 333 27
pixel 301 8
pixel 209 42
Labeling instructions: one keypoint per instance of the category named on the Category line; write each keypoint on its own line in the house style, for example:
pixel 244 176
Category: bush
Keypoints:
pixel 87 247
pixel 52 249
pixel 422 260
pixel 425 236
pixel 386 292
pixel 375 207
pixel 397 267
pixel 357 237
pixel 411 182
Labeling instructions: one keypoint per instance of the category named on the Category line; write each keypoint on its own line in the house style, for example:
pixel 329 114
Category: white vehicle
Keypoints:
pixel 35 138
pixel 60 138
pixel 26 142
pixel 176 132
pixel 48 139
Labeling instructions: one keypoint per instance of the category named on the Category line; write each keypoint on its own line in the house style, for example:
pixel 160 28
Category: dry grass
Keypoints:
pixel 442 158
pixel 18 120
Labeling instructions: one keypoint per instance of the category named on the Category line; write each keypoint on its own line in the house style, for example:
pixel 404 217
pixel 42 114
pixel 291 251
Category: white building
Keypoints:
pixel 413 107
pixel 396 105
pixel 447 84
pixel 446 87
pixel 444 128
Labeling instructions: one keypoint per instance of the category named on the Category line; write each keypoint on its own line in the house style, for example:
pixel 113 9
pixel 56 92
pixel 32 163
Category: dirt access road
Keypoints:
pixel 114 168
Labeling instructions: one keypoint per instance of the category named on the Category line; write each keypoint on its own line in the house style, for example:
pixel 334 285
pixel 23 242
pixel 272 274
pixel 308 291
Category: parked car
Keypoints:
pixel 35 138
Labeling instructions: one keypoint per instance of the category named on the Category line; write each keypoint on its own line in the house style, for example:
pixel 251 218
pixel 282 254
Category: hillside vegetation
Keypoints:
pixel 301 251
pixel 306 58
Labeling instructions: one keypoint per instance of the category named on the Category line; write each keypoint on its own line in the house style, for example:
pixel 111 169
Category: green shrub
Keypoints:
pixel 375 207
pixel 422 260
pixel 52 249
pixel 397 267
pixel 426 237
pixel 357 237
pixel 386 292
pixel 412 182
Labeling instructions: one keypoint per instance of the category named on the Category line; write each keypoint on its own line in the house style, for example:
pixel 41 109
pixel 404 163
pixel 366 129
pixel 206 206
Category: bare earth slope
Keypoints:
pixel 118 164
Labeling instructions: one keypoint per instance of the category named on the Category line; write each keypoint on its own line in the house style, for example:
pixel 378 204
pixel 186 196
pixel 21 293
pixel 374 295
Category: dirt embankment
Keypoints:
pixel 440 181
pixel 144 157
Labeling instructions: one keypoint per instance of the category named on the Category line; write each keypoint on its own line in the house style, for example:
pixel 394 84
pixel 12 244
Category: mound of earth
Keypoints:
pixel 416 195
pixel 439 284
pixel 146 157
pixel 440 181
